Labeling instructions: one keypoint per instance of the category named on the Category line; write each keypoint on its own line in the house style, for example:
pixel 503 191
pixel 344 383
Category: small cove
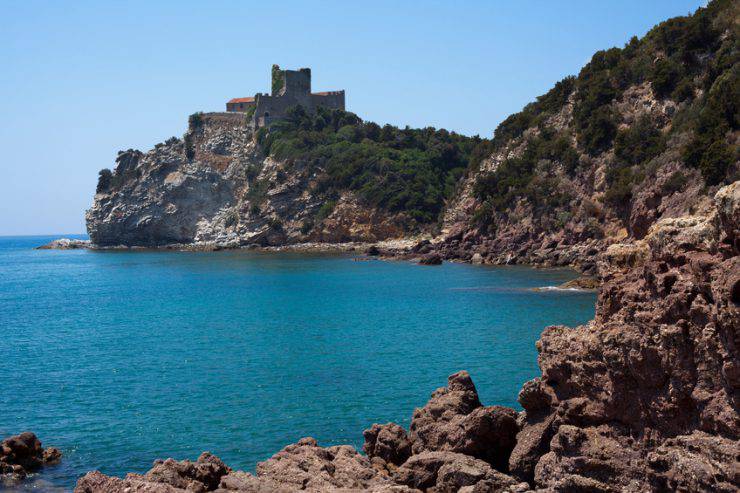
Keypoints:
pixel 119 358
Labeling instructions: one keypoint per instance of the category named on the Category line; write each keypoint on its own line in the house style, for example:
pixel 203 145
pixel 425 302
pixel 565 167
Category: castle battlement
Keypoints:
pixel 289 88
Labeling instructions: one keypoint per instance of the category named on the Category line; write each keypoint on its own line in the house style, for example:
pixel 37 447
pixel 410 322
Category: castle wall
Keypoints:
pixel 333 100
pixel 296 82
pixel 241 107
pixel 295 89
pixel 276 106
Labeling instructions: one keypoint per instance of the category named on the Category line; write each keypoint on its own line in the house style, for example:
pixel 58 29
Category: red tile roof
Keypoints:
pixel 242 100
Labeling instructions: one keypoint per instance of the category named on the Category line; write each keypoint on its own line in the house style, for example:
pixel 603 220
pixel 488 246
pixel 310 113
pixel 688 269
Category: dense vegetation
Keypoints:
pixel 398 170
pixel 691 60
pixel 530 175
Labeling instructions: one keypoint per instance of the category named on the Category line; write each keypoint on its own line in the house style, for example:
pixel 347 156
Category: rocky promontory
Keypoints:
pixel 643 398
pixel 314 178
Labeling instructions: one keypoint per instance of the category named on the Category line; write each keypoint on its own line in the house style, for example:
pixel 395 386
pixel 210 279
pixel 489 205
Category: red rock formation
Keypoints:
pixel 646 396
pixel 22 454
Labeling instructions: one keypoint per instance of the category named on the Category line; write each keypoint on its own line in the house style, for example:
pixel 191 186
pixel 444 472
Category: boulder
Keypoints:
pixel 431 259
pixel 307 466
pixel 454 420
pixel 448 471
pixel 22 454
pixel 205 473
pixel 388 442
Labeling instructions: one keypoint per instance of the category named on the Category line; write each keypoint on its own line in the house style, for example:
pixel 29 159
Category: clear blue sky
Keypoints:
pixel 81 80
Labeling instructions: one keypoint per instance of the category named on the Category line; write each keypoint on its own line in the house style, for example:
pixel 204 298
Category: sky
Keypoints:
pixel 81 80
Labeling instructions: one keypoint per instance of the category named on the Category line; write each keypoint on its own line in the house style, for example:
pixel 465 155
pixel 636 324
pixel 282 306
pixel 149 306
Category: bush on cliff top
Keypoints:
pixel 105 177
pixel 399 170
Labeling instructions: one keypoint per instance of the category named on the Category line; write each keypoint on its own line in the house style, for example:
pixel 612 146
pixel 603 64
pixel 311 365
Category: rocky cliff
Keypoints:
pixel 216 187
pixel 644 398
pixel 644 132
pixel 325 176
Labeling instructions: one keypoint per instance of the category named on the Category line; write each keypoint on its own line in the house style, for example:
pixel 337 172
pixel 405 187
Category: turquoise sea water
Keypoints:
pixel 119 358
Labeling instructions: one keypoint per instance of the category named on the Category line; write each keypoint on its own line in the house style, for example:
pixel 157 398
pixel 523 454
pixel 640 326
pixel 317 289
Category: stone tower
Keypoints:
pixel 289 88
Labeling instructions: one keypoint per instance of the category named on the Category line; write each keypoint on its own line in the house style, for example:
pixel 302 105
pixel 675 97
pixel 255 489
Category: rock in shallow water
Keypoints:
pixel 66 244
pixel 22 454
pixel 431 259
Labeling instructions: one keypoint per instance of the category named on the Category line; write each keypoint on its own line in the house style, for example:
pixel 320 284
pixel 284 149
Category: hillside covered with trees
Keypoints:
pixel 643 131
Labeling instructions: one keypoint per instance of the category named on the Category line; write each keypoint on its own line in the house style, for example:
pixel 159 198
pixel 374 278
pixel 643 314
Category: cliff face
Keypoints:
pixel 646 396
pixel 216 188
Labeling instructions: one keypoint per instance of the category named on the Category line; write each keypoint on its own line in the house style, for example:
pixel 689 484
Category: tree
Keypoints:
pixel 104 180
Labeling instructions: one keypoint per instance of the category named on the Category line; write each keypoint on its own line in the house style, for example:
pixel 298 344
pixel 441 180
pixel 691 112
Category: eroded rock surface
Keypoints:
pixel 215 188
pixel 646 396
pixel 454 420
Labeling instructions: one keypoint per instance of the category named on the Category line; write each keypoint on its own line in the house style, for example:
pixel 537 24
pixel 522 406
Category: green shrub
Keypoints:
pixel 105 176
pixel 676 182
pixel 277 79
pixel 666 74
pixel 684 90
pixel 597 134
pixel 717 116
pixel 325 210
pixel 250 112
pixel 195 120
pixel 621 181
pixel 409 170
pixel 639 143
pixel 306 226
pixel 715 162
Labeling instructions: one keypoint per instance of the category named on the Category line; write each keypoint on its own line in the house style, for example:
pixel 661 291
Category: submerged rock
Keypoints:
pixel 66 244
pixel 450 471
pixel 583 282
pixel 431 259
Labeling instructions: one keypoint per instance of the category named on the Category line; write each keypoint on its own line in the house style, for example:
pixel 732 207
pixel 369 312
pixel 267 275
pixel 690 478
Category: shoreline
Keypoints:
pixel 681 279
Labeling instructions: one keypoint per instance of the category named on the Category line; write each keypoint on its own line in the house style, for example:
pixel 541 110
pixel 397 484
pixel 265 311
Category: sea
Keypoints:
pixel 121 357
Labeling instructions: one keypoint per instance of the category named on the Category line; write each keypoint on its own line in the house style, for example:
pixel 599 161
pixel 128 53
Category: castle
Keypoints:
pixel 289 88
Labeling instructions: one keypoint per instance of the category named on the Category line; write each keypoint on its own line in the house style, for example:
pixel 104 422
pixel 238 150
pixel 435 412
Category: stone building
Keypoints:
pixel 289 88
